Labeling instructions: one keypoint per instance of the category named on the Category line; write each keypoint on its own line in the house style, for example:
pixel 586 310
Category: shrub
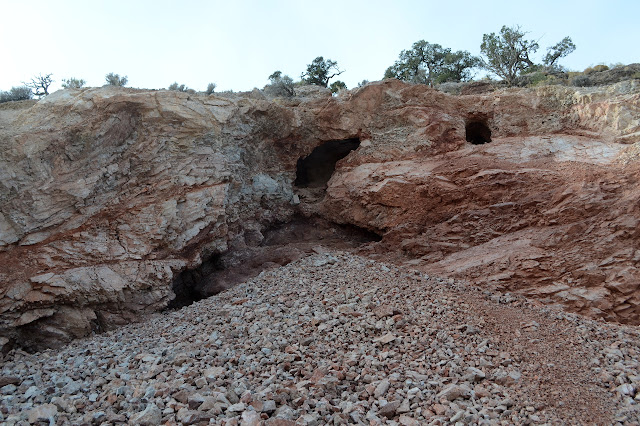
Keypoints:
pixel 581 81
pixel 73 83
pixel 211 87
pixel 19 93
pixel 542 78
pixel 181 88
pixel 597 68
pixel 178 87
pixel 337 86
pixel 281 85
pixel 115 80
pixel 537 78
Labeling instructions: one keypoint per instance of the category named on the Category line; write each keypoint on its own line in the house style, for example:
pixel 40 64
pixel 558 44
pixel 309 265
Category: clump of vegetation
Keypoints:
pixel 115 80
pixel 320 71
pixel 581 81
pixel 211 87
pixel 337 86
pixel 561 49
pixel 508 54
pixel 280 85
pixel 601 74
pixel 73 83
pixel 181 88
pixel 430 63
pixel 596 68
pixel 19 93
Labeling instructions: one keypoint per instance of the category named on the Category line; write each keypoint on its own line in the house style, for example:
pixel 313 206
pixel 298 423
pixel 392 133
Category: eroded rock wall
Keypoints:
pixel 106 194
pixel 549 208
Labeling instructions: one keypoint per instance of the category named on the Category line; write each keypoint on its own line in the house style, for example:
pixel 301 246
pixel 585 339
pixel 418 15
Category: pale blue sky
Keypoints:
pixel 238 44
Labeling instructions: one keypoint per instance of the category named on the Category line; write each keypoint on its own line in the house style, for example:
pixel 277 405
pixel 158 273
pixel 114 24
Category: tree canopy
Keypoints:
pixel 430 63
pixel 557 51
pixel 320 71
pixel 337 86
pixel 508 54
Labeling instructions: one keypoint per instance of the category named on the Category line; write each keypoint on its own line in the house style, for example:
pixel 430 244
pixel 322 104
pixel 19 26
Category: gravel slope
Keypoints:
pixel 332 339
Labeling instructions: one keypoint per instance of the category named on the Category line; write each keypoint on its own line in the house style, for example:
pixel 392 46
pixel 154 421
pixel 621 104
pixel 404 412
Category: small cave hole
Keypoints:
pixel 315 170
pixel 478 133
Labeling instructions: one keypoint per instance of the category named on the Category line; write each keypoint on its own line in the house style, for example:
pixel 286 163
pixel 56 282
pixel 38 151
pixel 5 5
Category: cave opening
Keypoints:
pixel 315 170
pixel 478 133
pixel 196 284
pixel 257 251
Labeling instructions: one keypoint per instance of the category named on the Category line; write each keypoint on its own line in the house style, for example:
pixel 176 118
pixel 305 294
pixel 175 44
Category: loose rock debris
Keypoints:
pixel 337 339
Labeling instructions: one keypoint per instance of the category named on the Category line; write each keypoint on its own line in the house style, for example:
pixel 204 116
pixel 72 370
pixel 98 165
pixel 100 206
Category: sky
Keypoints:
pixel 237 44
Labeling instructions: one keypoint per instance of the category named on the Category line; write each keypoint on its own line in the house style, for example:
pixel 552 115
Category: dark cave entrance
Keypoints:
pixel 258 251
pixel 478 133
pixel 196 284
pixel 315 170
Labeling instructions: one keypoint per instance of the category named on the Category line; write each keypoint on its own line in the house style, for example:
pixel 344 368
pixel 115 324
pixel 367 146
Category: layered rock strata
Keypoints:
pixel 107 194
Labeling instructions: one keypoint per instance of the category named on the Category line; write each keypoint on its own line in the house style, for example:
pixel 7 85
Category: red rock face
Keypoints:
pixel 550 213
pixel 107 194
pixel 562 231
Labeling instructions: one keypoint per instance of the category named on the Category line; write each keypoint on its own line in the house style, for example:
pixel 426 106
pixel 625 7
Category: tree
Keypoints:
pixel 19 93
pixel 40 84
pixel 428 63
pixel 508 54
pixel 319 72
pixel 280 85
pixel 458 66
pixel 211 87
pixel 115 80
pixel 73 83
pixel 337 86
pixel 560 50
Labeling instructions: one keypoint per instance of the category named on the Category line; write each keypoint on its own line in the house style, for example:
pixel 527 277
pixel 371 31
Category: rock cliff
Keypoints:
pixel 108 194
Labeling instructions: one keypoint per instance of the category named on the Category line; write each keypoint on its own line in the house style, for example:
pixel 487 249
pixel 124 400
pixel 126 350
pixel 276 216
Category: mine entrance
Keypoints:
pixel 315 170
pixel 478 133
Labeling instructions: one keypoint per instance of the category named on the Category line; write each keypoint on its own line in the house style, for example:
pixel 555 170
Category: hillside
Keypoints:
pixel 391 255
pixel 337 339
pixel 112 198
